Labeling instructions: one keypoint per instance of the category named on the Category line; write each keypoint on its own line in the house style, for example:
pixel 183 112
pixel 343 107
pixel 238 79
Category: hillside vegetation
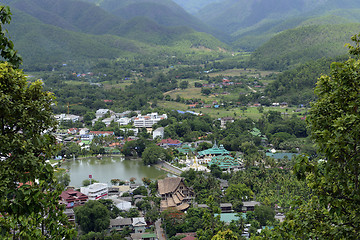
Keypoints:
pixel 303 44
pixel 296 86
pixel 46 33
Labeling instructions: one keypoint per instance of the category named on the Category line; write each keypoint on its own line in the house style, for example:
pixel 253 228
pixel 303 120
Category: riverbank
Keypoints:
pixel 165 166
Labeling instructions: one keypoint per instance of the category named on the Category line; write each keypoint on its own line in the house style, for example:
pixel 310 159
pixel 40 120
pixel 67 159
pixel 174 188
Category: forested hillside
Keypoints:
pixel 302 44
pixel 163 12
pixel 296 86
pixel 253 23
pixel 58 32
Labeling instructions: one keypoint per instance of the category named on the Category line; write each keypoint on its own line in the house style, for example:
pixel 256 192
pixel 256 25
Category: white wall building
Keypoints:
pixel 95 191
pixel 67 117
pixel 124 121
pixel 159 132
pixel 148 120
pixel 101 112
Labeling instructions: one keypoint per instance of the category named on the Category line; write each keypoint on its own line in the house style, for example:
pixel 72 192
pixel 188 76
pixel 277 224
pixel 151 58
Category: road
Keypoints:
pixel 159 231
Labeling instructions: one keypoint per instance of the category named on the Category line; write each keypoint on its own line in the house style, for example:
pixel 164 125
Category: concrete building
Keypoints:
pixel 148 120
pixel 95 191
pixel 67 117
pixel 159 132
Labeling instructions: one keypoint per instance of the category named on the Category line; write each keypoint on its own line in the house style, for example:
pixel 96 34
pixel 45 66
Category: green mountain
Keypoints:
pixel 192 6
pixel 41 39
pixel 40 43
pixel 253 22
pixel 163 12
pixel 302 44
pixel 70 15
pixel 296 86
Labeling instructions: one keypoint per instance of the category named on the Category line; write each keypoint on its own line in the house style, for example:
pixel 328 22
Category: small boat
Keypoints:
pixel 99 156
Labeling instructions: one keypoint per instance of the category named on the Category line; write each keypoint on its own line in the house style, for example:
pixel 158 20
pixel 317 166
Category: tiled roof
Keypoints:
pixel 168 185
pixel 215 150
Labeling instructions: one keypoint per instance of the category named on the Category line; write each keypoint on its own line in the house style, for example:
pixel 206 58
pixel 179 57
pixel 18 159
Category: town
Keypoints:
pixel 143 210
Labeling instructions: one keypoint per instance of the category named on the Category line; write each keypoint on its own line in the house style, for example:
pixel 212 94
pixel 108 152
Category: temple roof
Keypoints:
pixel 215 150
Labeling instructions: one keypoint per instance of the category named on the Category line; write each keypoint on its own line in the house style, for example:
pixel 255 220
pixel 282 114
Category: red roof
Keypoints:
pixel 72 196
pixel 101 133
pixel 188 238
pixel 170 141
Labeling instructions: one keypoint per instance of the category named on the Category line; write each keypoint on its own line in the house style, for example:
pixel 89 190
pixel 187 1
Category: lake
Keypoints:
pixel 107 168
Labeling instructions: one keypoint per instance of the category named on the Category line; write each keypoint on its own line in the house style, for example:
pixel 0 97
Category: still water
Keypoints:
pixel 108 168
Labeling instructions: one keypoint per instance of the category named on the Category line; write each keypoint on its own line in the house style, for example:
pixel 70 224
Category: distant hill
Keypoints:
pixel 253 22
pixel 55 33
pixel 192 6
pixel 70 15
pixel 40 43
pixel 163 12
pixel 296 86
pixel 299 45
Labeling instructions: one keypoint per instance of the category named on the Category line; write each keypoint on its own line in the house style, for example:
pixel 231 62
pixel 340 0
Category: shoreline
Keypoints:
pixel 168 168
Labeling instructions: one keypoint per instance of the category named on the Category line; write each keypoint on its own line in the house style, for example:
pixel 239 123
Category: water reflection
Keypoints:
pixel 109 168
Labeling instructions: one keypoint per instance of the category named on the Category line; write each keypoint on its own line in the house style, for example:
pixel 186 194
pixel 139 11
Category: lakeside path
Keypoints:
pixel 169 168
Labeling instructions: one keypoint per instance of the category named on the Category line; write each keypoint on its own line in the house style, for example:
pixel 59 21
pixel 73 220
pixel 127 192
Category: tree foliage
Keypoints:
pixel 332 212
pixel 28 188
pixel 92 217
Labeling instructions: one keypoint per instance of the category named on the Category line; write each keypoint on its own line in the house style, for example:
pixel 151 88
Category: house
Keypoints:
pixel 284 104
pixel 67 118
pixel 73 131
pixel 119 224
pixel 101 133
pixel 72 198
pixel 226 207
pixel 101 112
pixel 83 131
pixel 169 143
pixel 139 224
pixel 225 120
pixel 143 236
pixel 109 120
pixel 159 132
pixel 95 191
pixel 124 121
pixel 249 206
pixel 69 212
pixel 174 193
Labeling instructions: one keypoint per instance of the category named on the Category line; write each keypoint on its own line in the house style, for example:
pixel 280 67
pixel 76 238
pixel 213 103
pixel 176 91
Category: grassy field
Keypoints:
pixel 250 112
pixel 242 72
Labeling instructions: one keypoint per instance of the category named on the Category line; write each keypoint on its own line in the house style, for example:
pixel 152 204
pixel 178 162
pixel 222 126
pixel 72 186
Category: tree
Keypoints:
pixel 184 84
pixel 29 205
pixel 7 50
pixel 225 235
pixel 92 217
pixel 153 154
pixel 238 192
pixel 264 214
pixel 334 120
pixel 205 91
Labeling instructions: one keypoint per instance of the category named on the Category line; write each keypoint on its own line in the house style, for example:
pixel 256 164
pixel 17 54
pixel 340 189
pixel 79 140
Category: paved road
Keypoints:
pixel 159 231
pixel 167 166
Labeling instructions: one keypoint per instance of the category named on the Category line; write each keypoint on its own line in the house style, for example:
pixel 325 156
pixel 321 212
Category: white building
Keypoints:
pixel 159 132
pixel 67 117
pixel 95 191
pixel 109 120
pixel 148 120
pixel 101 112
pixel 124 121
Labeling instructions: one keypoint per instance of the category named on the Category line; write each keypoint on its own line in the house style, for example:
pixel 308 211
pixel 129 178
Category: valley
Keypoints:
pixel 254 104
